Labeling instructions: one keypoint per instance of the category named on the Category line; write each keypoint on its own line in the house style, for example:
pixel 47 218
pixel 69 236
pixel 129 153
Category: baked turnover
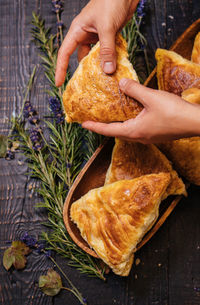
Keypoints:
pixel 175 73
pixel 114 218
pixel 131 160
pixel 93 95
pixel 196 50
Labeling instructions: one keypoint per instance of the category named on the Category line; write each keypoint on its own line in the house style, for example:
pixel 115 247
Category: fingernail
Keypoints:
pixel 108 67
pixel 122 82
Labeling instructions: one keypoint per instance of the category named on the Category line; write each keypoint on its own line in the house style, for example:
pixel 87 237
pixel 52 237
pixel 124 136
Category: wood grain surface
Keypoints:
pixel 169 268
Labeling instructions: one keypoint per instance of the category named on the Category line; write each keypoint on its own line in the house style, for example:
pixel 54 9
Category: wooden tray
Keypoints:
pixel 93 173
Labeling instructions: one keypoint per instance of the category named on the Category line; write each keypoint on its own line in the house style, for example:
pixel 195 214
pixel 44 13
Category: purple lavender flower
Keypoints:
pixel 28 110
pixel 85 301
pixel 54 104
pixel 56 109
pixel 48 253
pixel 9 155
pixel 40 247
pixel 38 146
pixel 57 6
pixel 34 135
pixel 36 139
pixel 59 118
pixel 59 24
pixel 30 241
pixel 140 9
pixel 68 165
pixel 33 120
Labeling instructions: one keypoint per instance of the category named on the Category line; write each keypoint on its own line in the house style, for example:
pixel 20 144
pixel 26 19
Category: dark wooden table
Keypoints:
pixel 169 269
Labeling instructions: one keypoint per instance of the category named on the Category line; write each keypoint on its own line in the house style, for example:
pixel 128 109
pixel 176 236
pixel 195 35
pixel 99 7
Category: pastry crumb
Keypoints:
pixel 137 261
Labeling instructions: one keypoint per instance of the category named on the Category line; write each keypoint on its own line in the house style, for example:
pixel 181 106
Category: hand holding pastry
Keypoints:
pixel 165 117
pixel 99 19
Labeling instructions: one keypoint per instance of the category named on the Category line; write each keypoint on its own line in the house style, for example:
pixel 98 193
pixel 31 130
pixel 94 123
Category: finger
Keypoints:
pixel 132 9
pixel 107 51
pixel 137 91
pixel 83 50
pixel 110 130
pixel 68 46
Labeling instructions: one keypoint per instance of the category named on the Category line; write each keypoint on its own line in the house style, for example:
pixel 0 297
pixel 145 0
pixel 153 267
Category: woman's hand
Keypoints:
pixel 165 117
pixel 99 19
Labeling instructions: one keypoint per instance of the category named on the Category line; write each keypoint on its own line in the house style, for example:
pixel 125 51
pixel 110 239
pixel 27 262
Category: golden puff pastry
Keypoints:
pixel 114 218
pixel 131 160
pixel 185 153
pixel 196 50
pixel 93 95
pixel 175 73
pixel 191 95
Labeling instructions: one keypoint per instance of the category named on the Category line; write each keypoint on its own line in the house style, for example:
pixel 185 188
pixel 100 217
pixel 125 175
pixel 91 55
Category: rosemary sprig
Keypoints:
pixel 53 190
pixel 136 42
pixel 45 41
pixel 59 161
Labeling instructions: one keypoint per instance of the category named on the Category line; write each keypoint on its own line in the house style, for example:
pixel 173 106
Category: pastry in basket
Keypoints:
pixel 114 218
pixel 131 160
pixel 175 73
pixel 185 153
pixel 93 95
pixel 196 50
pixel 191 95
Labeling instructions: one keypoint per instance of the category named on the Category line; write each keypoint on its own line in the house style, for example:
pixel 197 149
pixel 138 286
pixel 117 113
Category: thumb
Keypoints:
pixel 137 91
pixel 107 51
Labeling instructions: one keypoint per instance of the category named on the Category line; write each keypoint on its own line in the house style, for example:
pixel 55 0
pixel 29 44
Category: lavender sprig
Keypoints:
pixel 59 162
pixel 33 243
pixel 57 9
pixel 36 139
pixel 135 40
pixel 141 9
pixel 10 155
pixel 56 109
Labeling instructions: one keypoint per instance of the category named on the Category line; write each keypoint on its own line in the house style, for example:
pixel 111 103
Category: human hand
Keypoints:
pixel 99 19
pixel 165 117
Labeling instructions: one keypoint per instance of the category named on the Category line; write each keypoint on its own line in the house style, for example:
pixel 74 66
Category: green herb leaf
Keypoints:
pixel 3 145
pixel 15 255
pixel 51 283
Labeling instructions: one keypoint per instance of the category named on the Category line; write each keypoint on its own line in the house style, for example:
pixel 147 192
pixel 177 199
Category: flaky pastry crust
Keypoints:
pixel 131 160
pixel 196 50
pixel 191 95
pixel 114 218
pixel 175 73
pixel 93 95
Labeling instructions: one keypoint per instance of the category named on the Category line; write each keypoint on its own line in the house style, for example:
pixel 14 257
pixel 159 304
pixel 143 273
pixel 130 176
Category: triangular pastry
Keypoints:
pixel 175 73
pixel 185 153
pixel 114 218
pixel 131 160
pixel 196 50
pixel 93 95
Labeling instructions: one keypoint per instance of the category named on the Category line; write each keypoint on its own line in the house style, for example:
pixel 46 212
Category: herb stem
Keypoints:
pixel 79 298
pixel 28 90
pixel 74 290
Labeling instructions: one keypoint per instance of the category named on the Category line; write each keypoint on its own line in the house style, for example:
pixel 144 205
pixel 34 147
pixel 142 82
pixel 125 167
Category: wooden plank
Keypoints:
pixel 17 212
pixel 168 272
